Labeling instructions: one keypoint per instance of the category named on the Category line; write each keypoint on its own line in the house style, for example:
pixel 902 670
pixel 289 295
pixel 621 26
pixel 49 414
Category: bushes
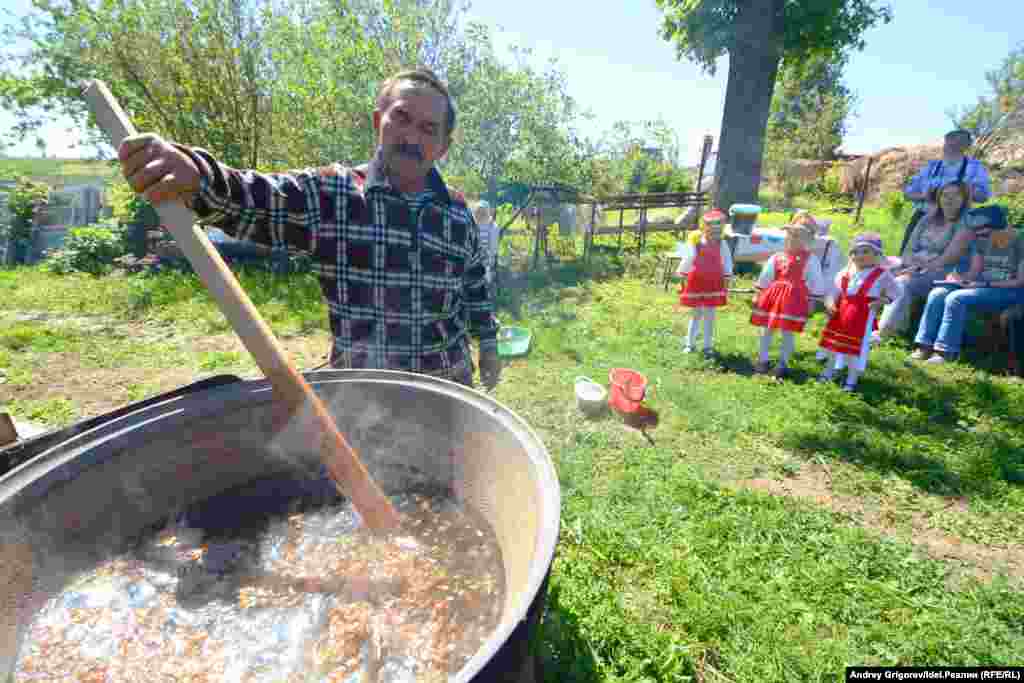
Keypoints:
pixel 643 174
pixel 829 187
pixel 785 178
pixel 1014 204
pixel 832 182
pixel 666 178
pixel 127 207
pixel 643 265
pixel 22 202
pixel 88 250
pixel 896 206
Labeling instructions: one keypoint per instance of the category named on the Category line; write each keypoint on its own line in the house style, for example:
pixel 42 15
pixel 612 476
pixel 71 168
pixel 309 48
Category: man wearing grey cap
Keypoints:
pixel 954 166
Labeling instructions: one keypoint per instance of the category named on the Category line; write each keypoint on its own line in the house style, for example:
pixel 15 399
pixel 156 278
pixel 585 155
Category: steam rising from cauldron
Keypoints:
pixel 400 452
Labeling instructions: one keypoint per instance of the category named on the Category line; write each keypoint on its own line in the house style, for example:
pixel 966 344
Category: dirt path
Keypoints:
pixel 95 391
pixel 813 483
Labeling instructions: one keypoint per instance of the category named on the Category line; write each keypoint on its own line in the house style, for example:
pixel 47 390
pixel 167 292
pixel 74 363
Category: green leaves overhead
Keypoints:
pixel 810 109
pixel 758 36
pixel 997 119
pixel 705 30
pixel 270 85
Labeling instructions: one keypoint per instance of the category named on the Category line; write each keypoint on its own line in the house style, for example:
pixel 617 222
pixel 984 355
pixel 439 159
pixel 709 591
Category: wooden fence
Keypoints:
pixel 641 203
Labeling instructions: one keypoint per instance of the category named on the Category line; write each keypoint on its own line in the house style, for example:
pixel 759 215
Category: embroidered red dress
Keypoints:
pixel 786 302
pixel 845 331
pixel 705 283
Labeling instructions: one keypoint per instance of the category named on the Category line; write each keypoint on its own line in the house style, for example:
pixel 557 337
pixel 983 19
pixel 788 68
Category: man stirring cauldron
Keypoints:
pixel 398 255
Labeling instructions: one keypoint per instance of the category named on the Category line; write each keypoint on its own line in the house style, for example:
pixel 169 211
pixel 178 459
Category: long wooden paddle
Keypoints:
pixel 344 466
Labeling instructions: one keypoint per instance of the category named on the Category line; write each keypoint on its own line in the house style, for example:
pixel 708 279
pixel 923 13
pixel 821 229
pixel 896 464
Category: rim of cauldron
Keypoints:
pixel 31 477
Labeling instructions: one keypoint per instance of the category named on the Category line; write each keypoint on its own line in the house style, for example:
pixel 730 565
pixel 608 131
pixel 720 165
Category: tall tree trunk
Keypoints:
pixel 753 66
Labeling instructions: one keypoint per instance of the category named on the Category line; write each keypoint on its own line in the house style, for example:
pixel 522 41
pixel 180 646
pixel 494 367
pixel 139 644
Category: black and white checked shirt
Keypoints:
pixel 403 275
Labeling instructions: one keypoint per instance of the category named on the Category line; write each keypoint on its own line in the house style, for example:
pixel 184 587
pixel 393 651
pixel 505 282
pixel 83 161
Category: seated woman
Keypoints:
pixel 994 282
pixel 937 243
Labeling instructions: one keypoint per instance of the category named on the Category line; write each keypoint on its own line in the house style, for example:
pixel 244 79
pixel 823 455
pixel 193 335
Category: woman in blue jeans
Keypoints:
pixel 994 282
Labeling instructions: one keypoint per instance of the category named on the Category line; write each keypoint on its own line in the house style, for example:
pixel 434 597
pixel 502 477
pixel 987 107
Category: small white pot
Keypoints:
pixel 591 397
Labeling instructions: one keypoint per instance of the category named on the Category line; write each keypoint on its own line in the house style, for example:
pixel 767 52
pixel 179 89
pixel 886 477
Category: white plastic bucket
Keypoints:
pixel 591 397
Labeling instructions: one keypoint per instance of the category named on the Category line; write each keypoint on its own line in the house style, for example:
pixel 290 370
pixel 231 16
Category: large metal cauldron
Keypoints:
pixel 93 489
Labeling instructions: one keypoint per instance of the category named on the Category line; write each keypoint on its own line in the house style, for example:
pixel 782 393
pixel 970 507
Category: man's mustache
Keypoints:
pixel 405 149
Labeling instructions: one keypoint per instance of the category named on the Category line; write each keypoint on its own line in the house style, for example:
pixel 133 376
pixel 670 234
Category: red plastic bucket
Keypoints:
pixel 628 388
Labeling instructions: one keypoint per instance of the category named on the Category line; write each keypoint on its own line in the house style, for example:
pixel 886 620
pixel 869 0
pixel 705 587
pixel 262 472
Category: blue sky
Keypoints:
pixel 932 57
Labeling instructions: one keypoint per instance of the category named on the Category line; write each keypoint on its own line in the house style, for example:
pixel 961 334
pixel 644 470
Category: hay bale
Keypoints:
pixel 1009 182
pixel 890 168
pixel 1011 153
pixel 805 171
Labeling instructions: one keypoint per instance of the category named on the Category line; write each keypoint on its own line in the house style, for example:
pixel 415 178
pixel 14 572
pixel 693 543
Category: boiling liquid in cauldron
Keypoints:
pixel 255 608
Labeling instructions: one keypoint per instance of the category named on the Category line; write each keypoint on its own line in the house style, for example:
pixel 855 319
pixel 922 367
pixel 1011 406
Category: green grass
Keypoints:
pixel 941 432
pixel 58 172
pixel 27 337
pixel 219 360
pixel 661 576
pixel 290 305
pixel 664 572
pixel 56 412
pixel 107 347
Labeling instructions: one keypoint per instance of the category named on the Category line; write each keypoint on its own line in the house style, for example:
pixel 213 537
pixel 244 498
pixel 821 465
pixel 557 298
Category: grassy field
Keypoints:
pixel 760 531
pixel 58 172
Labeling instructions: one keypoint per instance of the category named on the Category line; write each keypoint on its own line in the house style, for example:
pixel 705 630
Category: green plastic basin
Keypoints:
pixel 513 341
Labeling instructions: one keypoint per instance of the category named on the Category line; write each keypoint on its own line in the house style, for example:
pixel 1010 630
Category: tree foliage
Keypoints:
pixel 810 109
pixel 516 123
pixel 422 32
pixel 269 85
pixel 254 83
pixel 638 156
pixel 997 119
pixel 758 35
pixel 705 30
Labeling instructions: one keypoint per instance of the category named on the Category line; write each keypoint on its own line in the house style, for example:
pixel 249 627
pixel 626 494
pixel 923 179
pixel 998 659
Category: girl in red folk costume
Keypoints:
pixel 788 281
pixel 707 265
pixel 862 288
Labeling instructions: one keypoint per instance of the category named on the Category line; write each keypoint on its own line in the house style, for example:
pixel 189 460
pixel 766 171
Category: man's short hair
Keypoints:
pixel 422 77
pixel 963 135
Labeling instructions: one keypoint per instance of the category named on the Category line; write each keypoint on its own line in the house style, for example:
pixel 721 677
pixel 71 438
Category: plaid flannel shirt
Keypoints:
pixel 405 286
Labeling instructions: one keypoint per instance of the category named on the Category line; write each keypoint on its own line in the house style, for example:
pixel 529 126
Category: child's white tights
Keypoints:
pixel 836 361
pixel 785 350
pixel 707 314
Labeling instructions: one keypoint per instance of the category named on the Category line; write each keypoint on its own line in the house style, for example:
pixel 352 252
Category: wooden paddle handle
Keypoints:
pixel 342 463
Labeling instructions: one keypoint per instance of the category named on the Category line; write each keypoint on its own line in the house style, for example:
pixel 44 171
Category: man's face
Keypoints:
pixel 954 145
pixel 412 129
pixel 951 200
